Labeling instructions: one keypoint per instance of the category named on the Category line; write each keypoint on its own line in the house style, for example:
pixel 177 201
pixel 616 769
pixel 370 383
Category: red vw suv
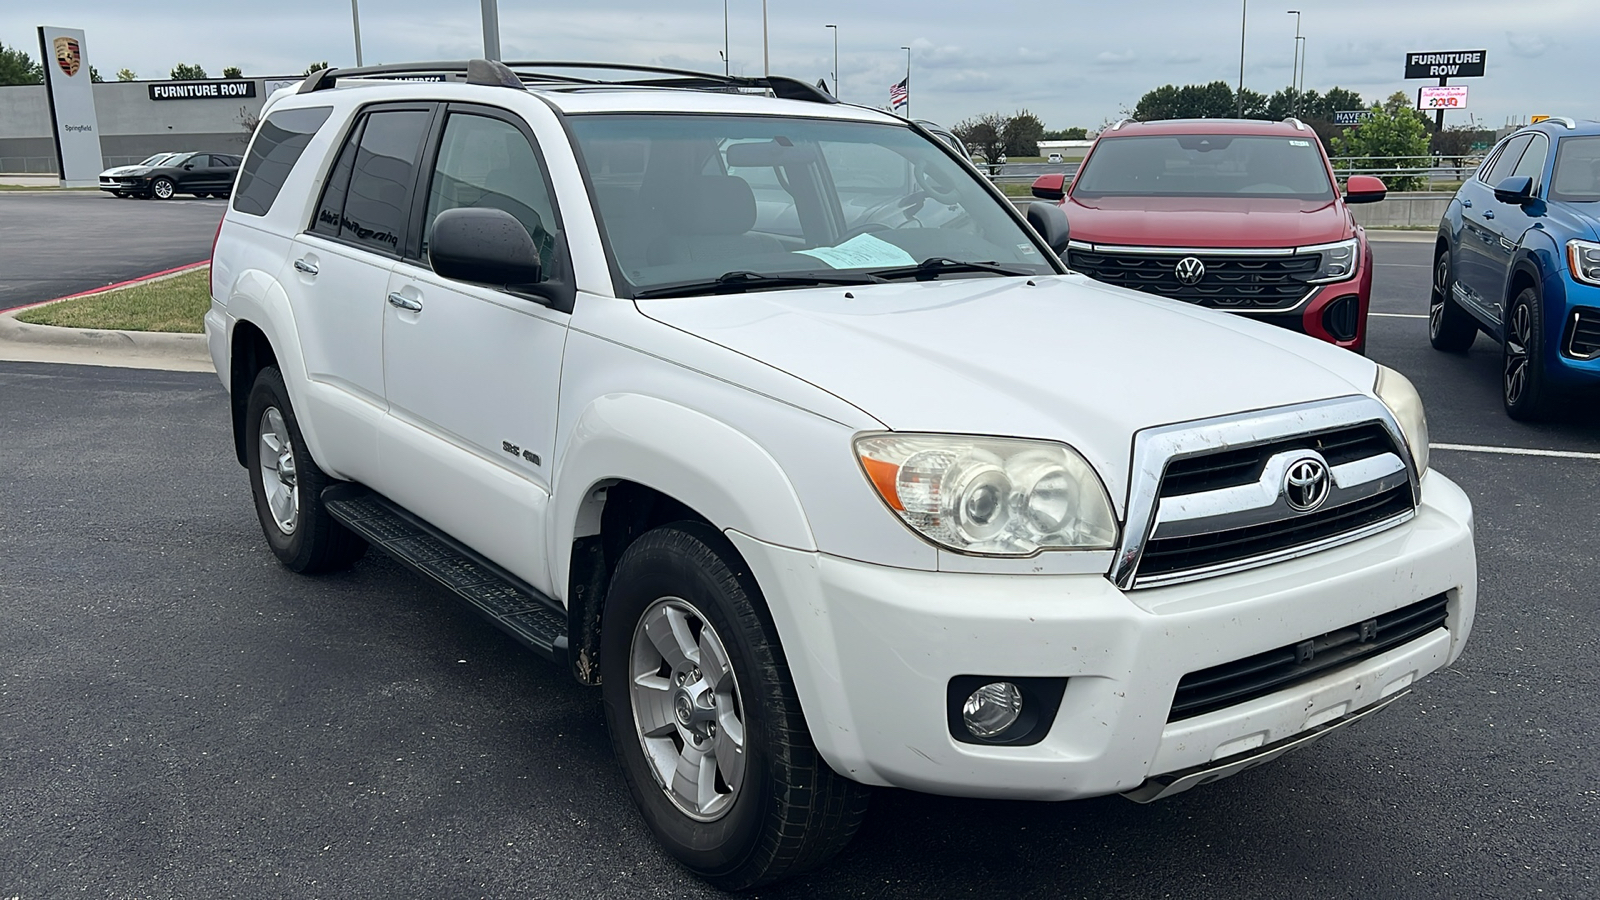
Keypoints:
pixel 1238 215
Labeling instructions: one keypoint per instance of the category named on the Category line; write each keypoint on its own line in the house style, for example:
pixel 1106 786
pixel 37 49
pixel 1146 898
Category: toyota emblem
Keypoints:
pixel 1190 270
pixel 1307 484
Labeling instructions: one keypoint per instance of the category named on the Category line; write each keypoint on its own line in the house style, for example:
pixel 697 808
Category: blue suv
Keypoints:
pixel 1518 258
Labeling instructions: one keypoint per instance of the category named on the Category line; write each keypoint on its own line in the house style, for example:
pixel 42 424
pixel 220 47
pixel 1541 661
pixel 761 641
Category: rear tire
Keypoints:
pixel 1523 387
pixel 695 682
pixel 287 485
pixel 1450 328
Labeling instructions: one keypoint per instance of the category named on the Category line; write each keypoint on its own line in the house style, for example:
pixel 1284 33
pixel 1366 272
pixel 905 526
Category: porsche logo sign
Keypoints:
pixel 68 56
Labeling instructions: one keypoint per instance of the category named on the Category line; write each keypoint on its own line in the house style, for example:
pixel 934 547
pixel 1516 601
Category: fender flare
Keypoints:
pixel 256 297
pixel 700 461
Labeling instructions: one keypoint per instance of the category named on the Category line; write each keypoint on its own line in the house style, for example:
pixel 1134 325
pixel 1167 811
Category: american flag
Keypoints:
pixel 900 94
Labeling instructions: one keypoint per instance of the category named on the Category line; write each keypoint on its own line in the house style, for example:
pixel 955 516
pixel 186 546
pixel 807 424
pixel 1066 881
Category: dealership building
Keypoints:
pixel 135 119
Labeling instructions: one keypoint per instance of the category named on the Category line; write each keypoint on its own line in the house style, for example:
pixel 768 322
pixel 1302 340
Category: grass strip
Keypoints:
pixel 177 304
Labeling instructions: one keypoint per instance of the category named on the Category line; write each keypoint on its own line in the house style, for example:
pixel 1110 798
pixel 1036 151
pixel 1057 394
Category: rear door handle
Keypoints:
pixel 1488 214
pixel 401 301
pixel 301 265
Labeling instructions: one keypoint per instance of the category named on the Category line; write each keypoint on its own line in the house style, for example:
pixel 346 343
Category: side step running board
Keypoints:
pixel 521 611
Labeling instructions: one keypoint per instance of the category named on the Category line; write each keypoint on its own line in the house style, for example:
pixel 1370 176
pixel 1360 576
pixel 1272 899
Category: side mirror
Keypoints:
pixel 1051 223
pixel 483 246
pixel 1517 189
pixel 188 167
pixel 1050 187
pixel 1364 189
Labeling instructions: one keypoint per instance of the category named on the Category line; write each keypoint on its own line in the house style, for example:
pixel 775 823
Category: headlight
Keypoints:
pixel 1397 393
pixel 1338 260
pixel 1583 260
pixel 991 496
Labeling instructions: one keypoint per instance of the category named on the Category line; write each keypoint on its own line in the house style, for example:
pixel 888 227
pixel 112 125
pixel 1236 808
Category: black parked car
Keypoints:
pixel 200 174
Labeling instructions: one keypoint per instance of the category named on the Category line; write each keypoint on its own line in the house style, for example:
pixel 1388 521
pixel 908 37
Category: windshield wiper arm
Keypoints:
pixel 739 282
pixel 934 266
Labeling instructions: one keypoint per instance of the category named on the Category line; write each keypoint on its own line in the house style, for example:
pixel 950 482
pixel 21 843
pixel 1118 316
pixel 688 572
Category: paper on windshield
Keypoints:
pixel 861 252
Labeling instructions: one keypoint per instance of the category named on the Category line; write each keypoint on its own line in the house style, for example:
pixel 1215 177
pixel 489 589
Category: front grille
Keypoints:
pixel 1231 468
pixel 1164 556
pixel 1230 282
pixel 1233 683
pixel 1583 334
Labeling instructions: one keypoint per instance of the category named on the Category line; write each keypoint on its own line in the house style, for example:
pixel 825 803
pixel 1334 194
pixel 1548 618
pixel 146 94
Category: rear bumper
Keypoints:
pixel 873 650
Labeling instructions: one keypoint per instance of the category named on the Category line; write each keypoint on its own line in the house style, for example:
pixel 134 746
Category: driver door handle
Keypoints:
pixel 1488 214
pixel 301 265
pixel 401 301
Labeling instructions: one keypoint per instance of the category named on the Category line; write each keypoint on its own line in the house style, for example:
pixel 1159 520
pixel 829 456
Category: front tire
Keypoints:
pixel 1524 390
pixel 287 485
pixel 163 189
pixel 705 721
pixel 1450 328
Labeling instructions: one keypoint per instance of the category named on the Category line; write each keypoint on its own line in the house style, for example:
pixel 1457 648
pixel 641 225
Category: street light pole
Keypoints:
pixel 835 59
pixel 727 64
pixel 1294 67
pixel 491 29
pixel 1244 9
pixel 766 55
pixel 355 21
pixel 908 81
pixel 1302 85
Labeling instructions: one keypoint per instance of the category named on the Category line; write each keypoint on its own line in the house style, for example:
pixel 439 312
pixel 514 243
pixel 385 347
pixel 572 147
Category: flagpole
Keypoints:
pixel 908 81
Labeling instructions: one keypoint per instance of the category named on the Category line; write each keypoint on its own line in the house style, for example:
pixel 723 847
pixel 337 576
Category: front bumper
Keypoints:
pixel 873 649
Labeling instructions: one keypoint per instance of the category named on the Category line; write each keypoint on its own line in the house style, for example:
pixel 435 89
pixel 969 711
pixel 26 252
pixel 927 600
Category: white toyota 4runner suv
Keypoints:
pixel 774 419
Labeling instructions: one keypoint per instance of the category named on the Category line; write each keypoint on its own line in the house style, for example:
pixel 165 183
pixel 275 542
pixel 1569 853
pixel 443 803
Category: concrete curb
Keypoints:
pixel 22 342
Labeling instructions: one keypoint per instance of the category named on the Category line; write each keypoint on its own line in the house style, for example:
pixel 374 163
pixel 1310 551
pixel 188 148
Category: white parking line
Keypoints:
pixel 1514 451
pixel 1400 315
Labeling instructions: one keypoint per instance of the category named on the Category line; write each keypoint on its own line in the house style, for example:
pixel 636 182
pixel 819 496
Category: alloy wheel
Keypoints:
pixel 1441 284
pixel 279 478
pixel 1519 332
pixel 162 189
pixel 687 709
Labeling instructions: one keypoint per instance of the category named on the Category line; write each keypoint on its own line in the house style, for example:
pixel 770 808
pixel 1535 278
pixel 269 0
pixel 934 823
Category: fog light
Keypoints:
pixel 992 709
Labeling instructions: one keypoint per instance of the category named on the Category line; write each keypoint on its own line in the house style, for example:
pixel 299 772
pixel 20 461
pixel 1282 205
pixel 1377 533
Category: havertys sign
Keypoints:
pixel 230 89
pixel 1446 64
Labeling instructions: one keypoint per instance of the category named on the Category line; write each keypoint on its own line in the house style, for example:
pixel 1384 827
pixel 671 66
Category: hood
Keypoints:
pixel 1206 221
pixel 1580 220
pixel 121 170
pixel 1057 357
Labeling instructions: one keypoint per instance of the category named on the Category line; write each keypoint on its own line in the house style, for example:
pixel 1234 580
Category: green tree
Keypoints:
pixel 1395 137
pixel 314 67
pixel 984 135
pixel 233 72
pixel 1192 101
pixel 1023 132
pixel 186 72
pixel 127 75
pixel 17 67
pixel 1066 134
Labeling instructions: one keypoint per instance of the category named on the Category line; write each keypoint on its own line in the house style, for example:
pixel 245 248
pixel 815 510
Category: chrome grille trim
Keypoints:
pixel 1154 448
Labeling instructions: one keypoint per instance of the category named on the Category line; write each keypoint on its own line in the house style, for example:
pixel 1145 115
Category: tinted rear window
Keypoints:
pixel 284 136
pixel 1206 165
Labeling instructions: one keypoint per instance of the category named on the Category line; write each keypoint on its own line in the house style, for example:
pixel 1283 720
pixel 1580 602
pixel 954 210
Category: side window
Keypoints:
pixel 487 163
pixel 331 208
pixel 1532 162
pixel 1501 168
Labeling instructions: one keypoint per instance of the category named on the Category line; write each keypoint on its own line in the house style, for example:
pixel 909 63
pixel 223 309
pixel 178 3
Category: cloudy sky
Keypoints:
pixel 1071 63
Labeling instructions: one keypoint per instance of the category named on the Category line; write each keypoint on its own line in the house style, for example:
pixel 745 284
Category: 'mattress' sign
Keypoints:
pixel 1446 64
pixel 231 89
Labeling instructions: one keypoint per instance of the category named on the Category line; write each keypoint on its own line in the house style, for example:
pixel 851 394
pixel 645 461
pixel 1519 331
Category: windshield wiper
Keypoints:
pixel 934 266
pixel 739 282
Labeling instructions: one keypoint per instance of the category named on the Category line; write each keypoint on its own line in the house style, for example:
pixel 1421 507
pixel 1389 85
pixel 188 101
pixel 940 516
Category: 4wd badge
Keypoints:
pixel 68 56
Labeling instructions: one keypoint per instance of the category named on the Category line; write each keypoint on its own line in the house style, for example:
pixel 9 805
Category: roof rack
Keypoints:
pixel 1120 123
pixel 1563 120
pixel 1298 125
pixel 517 75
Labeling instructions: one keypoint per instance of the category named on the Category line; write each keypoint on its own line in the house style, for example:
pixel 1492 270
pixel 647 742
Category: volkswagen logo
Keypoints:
pixel 1307 484
pixel 1190 270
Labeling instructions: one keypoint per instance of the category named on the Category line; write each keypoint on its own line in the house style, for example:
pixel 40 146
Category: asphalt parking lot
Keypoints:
pixel 181 717
pixel 60 243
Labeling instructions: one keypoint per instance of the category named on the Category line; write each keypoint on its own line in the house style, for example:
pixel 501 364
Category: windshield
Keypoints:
pixel 1206 165
pixel 157 159
pixel 1577 175
pixel 685 199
